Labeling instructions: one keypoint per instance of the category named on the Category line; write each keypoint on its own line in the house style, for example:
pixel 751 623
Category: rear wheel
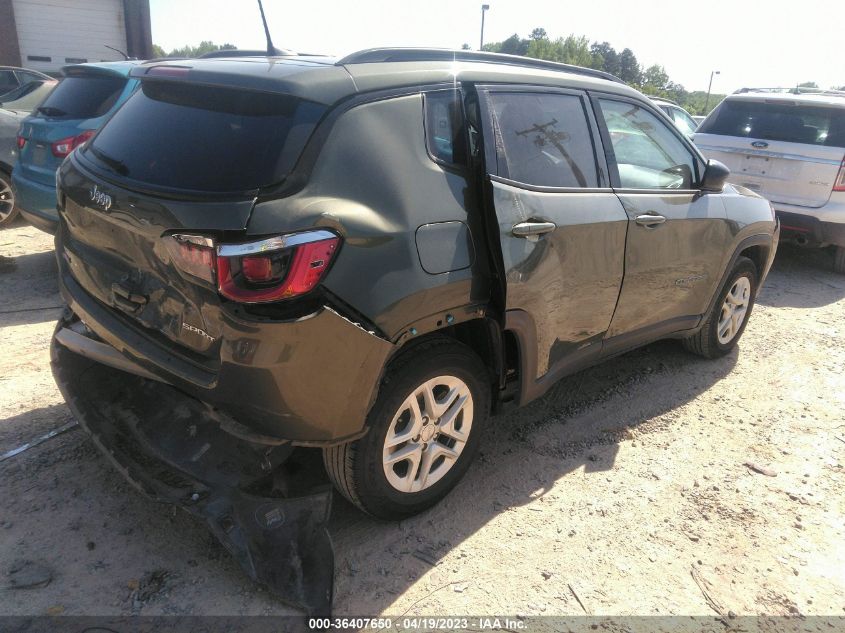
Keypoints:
pixel 729 316
pixel 424 431
pixel 8 211
pixel 839 260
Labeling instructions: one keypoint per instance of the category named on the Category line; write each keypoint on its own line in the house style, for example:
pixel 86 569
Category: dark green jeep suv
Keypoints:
pixel 370 256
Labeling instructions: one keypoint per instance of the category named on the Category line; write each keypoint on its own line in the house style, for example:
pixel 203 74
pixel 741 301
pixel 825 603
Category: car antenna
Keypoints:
pixel 117 50
pixel 271 50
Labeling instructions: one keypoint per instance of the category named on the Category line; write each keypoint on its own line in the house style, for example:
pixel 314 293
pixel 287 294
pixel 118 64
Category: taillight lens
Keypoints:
pixel 839 183
pixel 193 254
pixel 276 268
pixel 66 145
pixel 21 142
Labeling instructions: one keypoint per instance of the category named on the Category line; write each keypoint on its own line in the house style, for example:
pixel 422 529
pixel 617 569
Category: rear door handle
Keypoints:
pixel 649 219
pixel 527 229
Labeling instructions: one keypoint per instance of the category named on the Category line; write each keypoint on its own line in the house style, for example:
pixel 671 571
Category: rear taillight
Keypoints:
pixel 263 271
pixel 66 145
pixel 21 142
pixel 193 254
pixel 839 183
pixel 276 268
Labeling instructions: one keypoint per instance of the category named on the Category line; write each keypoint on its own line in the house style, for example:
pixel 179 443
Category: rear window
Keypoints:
pixel 774 121
pixel 83 96
pixel 203 138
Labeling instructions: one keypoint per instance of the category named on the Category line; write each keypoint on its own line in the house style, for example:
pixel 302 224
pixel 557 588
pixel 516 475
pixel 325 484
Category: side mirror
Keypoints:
pixel 715 176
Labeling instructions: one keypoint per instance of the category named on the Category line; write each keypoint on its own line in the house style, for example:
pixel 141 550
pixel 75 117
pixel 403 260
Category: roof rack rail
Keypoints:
pixel 798 90
pixel 376 55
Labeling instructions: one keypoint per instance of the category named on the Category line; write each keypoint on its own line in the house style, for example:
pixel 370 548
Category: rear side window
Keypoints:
pixel 83 96
pixel 202 138
pixel 778 121
pixel 445 134
pixel 543 139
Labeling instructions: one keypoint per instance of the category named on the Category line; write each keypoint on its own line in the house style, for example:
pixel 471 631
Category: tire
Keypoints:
pixel 8 210
pixel 358 468
pixel 707 342
pixel 839 260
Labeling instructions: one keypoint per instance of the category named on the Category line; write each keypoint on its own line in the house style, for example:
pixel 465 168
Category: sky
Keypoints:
pixel 751 42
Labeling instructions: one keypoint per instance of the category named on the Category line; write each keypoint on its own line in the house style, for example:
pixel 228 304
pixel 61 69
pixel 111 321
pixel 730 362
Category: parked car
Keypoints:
pixel 680 117
pixel 12 77
pixel 369 256
pixel 10 121
pixel 789 146
pixel 27 97
pixel 82 101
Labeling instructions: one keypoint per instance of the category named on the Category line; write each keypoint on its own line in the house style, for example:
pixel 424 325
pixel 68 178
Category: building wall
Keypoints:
pixel 53 33
pixel 10 54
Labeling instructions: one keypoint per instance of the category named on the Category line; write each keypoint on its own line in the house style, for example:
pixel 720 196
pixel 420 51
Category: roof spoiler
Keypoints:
pixel 380 55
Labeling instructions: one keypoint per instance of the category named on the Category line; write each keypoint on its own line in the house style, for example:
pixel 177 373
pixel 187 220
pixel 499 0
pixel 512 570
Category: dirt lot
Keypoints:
pixel 623 491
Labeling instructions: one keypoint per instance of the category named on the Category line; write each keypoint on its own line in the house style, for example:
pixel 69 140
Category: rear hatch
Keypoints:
pixel 789 151
pixel 178 164
pixel 78 103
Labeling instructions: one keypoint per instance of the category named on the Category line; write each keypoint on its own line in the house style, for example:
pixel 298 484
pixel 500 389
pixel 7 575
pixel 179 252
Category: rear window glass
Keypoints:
pixel 203 138
pixel 772 121
pixel 83 97
pixel 444 128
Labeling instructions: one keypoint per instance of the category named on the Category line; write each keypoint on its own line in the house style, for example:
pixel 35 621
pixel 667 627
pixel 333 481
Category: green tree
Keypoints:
pixel 808 84
pixel 604 57
pixel 629 68
pixel 466 47
pixel 514 45
pixel 205 46
pixel 538 34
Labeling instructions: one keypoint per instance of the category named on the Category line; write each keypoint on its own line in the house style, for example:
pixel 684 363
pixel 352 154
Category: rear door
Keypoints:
pixel 677 237
pixel 788 151
pixel 561 228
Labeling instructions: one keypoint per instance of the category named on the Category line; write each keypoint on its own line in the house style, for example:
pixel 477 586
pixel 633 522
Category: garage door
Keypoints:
pixel 53 33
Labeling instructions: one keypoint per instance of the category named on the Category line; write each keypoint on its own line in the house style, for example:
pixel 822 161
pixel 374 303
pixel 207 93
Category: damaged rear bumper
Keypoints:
pixel 268 510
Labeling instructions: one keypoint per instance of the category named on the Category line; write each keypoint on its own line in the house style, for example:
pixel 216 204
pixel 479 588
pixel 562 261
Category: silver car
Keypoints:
pixel 788 146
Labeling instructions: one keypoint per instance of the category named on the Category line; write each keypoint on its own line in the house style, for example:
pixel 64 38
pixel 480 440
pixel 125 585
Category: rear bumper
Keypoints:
pixel 37 203
pixel 310 381
pixel 171 447
pixel 808 230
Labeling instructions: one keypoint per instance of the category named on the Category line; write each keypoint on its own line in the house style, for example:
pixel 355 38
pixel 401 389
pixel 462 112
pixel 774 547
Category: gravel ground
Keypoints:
pixel 626 490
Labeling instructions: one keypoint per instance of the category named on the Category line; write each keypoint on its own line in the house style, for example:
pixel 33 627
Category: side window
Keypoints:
pixel 444 127
pixel 683 121
pixel 648 153
pixel 8 81
pixel 543 139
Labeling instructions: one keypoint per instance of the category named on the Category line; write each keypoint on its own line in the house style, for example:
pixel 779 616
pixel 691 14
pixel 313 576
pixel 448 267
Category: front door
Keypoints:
pixel 561 228
pixel 677 235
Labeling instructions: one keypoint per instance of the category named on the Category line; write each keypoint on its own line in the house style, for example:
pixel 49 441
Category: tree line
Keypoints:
pixel 577 50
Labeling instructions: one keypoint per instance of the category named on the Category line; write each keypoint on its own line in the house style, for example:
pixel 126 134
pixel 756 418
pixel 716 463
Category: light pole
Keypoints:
pixel 707 102
pixel 484 9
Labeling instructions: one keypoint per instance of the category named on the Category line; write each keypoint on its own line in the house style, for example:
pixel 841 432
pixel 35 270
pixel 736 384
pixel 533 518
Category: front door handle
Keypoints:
pixel 649 219
pixel 527 229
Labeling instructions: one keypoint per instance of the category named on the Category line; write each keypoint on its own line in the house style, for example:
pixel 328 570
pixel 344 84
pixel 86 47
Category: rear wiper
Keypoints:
pixel 49 111
pixel 118 166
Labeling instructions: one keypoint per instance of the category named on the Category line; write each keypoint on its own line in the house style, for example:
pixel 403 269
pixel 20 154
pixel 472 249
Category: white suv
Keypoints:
pixel 789 146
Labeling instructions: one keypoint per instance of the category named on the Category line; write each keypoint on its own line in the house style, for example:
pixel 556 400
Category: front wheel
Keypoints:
pixel 727 320
pixel 8 211
pixel 424 431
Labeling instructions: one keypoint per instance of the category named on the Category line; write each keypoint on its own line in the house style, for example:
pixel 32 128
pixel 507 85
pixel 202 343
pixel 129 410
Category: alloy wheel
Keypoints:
pixel 734 310
pixel 428 434
pixel 7 199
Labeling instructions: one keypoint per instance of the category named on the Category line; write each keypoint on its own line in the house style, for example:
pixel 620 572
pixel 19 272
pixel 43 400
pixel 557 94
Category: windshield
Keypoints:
pixel 202 138
pixel 778 121
pixel 83 96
